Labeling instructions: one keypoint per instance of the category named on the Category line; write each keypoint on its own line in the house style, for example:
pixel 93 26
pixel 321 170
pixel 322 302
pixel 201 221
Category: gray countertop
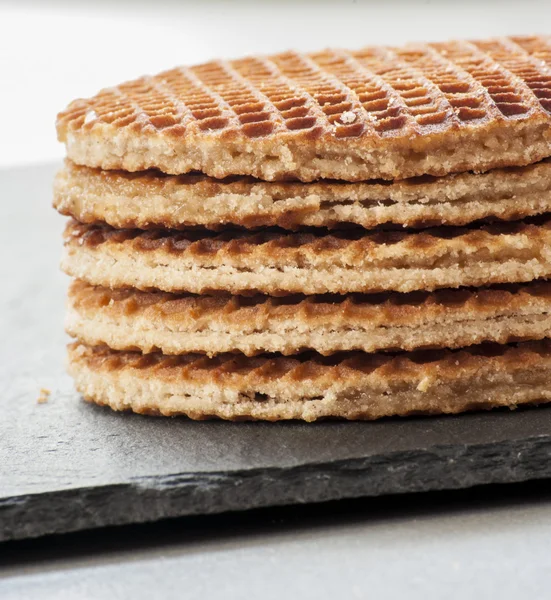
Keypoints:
pixel 490 543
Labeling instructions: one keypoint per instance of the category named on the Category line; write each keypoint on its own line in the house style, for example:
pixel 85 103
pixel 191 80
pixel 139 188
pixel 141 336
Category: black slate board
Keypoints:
pixel 66 465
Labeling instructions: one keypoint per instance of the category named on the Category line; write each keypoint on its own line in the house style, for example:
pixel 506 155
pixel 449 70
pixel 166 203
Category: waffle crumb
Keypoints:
pixel 348 117
pixel 43 396
pixel 90 116
pixel 424 384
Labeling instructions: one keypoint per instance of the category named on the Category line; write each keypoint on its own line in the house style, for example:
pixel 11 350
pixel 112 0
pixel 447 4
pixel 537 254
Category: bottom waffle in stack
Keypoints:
pixel 359 322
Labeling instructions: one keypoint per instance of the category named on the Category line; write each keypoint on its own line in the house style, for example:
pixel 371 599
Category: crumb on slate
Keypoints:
pixel 43 396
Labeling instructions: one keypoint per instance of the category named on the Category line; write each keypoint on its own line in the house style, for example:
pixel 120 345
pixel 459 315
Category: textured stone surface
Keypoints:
pixel 66 465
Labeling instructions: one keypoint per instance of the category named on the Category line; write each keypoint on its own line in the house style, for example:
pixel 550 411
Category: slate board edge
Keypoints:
pixel 153 498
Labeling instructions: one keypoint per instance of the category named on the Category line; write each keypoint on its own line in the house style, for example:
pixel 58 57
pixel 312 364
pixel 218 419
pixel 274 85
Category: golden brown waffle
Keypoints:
pixel 310 387
pixel 378 112
pixel 178 324
pixel 276 262
pixel 145 200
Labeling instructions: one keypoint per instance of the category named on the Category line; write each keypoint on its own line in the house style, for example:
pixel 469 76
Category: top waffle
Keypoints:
pixel 378 112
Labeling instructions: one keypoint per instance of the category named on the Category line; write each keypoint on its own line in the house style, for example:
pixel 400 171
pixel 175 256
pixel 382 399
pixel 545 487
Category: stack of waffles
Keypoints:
pixel 351 234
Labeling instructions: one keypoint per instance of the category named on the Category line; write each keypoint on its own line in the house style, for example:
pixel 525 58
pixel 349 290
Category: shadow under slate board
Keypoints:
pixel 66 465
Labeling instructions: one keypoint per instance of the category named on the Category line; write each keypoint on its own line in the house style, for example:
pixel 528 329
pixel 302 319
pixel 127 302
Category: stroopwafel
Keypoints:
pixel 278 262
pixel 179 324
pixel 309 387
pixel 378 112
pixel 148 200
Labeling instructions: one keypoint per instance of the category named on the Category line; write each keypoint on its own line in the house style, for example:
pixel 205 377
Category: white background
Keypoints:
pixel 52 52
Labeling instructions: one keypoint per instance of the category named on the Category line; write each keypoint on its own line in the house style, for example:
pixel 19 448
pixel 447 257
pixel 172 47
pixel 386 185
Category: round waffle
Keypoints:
pixel 178 324
pixel 276 262
pixel 145 200
pixel 310 387
pixel 378 112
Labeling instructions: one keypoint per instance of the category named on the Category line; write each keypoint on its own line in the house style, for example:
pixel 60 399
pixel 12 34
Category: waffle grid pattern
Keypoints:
pixel 375 309
pixel 273 244
pixel 378 91
pixel 377 115
pixel 312 366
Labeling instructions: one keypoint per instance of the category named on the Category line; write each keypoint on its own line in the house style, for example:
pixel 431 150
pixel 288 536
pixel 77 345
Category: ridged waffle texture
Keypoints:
pixel 357 188
pixel 148 200
pixel 178 324
pixel 276 262
pixel 310 387
pixel 378 112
